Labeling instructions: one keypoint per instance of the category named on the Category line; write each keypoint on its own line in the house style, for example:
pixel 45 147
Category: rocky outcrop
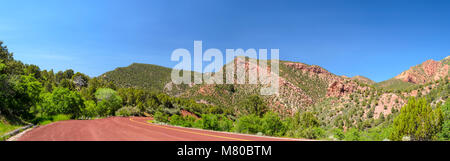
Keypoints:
pixel 340 88
pixel 426 72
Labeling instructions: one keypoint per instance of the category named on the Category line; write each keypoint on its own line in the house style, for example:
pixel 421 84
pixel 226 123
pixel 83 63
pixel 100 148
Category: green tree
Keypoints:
pixel 305 125
pixel 250 124
pixel 80 80
pixel 307 119
pixel 418 121
pixel 161 117
pixel 254 104
pixel 445 132
pixel 61 101
pixel 273 125
pixel 90 109
pixel 25 94
pixel 108 101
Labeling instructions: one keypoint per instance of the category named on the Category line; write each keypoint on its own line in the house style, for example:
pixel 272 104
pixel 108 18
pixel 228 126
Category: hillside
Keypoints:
pixel 145 76
pixel 427 72
pixel 363 79
pixel 301 86
pixel 338 101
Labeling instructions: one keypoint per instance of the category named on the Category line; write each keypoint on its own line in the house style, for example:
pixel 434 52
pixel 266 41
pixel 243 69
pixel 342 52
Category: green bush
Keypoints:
pixel 312 133
pixel 272 125
pixel 61 117
pixel 249 124
pixel 444 134
pixel 176 120
pixel 305 125
pixel 61 101
pixel 108 101
pixel 225 124
pixel 128 111
pixel 161 117
pixel 43 120
pixel 90 109
pixel 254 104
pixel 418 121
pixel 352 135
pixel 338 134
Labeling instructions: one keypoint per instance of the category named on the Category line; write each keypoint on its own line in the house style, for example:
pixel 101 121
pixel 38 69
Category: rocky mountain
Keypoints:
pixel 303 87
pixel 428 71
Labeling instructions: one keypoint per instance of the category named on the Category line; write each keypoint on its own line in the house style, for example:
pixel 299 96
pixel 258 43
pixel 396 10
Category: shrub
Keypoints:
pixel 225 125
pixel 176 120
pixel 128 111
pixel 254 104
pixel 338 134
pixel 90 109
pixel 310 133
pixel 418 121
pixel 250 124
pixel 61 117
pixel 159 116
pixel 445 132
pixel 272 125
pixel 352 135
pixel 61 101
pixel 108 101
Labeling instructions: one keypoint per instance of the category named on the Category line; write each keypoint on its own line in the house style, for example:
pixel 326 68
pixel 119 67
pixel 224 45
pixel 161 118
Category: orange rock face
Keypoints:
pixel 428 71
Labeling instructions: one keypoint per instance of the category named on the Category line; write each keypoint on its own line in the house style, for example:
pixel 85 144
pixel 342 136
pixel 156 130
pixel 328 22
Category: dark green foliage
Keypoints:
pixel 24 95
pixel 161 117
pixel 254 104
pixel 272 125
pixel 19 91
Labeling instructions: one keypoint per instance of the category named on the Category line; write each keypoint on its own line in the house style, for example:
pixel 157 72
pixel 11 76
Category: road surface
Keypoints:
pixel 130 129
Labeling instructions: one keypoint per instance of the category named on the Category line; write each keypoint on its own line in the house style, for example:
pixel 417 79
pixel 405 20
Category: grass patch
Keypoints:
pixel 5 128
pixel 395 84
pixel 44 120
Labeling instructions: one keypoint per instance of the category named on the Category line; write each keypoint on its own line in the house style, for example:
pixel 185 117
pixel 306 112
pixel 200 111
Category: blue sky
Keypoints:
pixel 376 39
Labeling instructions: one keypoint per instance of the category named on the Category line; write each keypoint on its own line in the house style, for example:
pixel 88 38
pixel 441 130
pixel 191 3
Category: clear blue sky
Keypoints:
pixel 377 39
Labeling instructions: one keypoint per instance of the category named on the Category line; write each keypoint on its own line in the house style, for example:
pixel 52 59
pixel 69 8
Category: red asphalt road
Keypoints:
pixel 130 129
